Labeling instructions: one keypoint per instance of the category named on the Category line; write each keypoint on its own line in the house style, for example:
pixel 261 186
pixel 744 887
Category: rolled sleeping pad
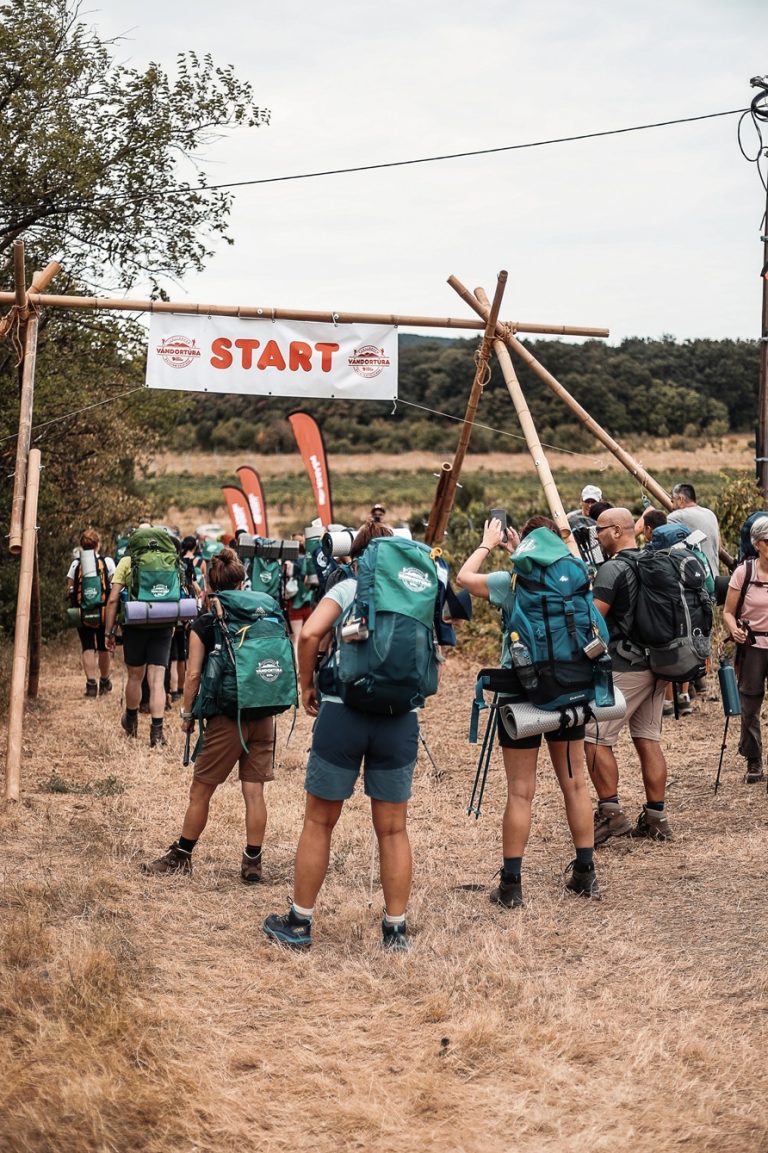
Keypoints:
pixel 74 620
pixel 160 612
pixel 88 562
pixel 522 719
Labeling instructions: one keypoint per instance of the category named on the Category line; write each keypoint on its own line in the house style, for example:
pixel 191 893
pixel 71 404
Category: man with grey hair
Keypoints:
pixel 615 592
pixel 695 517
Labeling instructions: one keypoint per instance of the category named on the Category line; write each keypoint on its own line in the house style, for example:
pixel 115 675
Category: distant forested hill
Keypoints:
pixel 700 388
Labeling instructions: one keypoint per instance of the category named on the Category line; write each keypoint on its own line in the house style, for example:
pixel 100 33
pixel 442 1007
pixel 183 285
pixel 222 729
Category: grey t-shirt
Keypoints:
pixel 616 584
pixel 704 520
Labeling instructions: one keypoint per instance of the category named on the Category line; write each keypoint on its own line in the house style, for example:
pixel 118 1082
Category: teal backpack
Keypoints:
pixel 155 566
pixel 385 656
pixel 251 665
pixel 266 576
pixel 90 590
pixel 555 618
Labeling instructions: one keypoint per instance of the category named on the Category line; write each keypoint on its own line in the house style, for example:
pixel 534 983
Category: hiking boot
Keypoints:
pixel 610 821
pixel 290 929
pixel 394 938
pixel 174 861
pixel 668 710
pixel 105 685
pixel 509 892
pixel 91 689
pixel 700 685
pixel 250 869
pixel 156 737
pixel 583 881
pixel 130 725
pixel 684 705
pixel 754 773
pixel 652 825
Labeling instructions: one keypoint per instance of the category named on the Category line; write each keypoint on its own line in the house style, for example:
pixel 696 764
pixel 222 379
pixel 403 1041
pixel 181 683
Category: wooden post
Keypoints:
pixel 26 403
pixel 446 489
pixel 21 636
pixel 35 630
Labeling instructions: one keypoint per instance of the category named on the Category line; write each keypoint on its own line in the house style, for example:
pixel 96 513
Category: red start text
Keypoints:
pixel 243 353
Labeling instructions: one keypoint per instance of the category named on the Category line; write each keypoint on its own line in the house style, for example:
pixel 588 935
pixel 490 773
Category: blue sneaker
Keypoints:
pixel 395 937
pixel 289 929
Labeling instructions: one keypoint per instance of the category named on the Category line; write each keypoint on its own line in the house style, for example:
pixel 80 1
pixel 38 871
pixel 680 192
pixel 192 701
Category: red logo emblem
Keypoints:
pixel 368 361
pixel 178 351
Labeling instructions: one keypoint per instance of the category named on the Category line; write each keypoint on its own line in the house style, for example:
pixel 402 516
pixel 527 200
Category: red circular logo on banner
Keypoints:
pixel 178 351
pixel 368 360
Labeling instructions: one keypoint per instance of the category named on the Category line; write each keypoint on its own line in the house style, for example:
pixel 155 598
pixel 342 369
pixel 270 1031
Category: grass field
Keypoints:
pixel 141 1015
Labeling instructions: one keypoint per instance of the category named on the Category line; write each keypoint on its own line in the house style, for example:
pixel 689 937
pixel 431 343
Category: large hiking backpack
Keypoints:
pixel 385 656
pixel 266 576
pixel 555 617
pixel 251 665
pixel 90 589
pixel 154 592
pixel 672 619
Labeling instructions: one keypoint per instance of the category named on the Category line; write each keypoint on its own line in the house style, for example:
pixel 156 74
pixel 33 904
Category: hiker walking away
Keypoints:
pixel 96 658
pixel 145 650
pixel 746 617
pixel 615 591
pixel 298 591
pixel 246 740
pixel 345 737
pixel 686 511
pixel 520 756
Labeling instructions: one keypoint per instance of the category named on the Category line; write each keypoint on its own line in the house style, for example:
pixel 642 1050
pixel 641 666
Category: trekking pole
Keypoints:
pixel 438 771
pixel 722 754
pixel 485 759
pixel 185 758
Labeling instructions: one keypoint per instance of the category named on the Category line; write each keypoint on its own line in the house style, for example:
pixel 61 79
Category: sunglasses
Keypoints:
pixel 603 527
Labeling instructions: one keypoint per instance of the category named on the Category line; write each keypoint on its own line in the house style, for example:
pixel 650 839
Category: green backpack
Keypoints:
pixel 155 566
pixel 251 665
pixel 266 576
pixel 90 590
pixel 385 656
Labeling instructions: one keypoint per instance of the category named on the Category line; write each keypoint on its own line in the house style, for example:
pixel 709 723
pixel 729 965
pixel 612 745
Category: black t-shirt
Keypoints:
pixel 616 584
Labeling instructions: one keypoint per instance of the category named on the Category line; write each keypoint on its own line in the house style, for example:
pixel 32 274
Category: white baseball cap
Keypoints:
pixel 591 492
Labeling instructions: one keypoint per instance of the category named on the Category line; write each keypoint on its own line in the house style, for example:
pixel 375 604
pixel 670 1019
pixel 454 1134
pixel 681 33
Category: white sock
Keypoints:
pixel 305 913
pixel 399 920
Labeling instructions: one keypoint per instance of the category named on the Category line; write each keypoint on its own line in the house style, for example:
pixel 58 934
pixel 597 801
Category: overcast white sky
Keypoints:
pixel 645 233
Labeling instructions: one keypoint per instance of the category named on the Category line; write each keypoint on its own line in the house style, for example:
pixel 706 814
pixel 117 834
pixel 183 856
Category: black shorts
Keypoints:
pixel 146 646
pixel 92 639
pixel 179 645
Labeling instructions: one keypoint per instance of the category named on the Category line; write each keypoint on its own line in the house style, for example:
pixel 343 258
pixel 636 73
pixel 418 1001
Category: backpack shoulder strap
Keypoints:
pixel 749 573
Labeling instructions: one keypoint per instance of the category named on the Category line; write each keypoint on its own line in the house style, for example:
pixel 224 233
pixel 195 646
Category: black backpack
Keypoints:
pixel 672 619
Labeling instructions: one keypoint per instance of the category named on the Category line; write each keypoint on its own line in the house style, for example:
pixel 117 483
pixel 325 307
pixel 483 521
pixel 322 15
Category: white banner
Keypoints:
pixel 271 358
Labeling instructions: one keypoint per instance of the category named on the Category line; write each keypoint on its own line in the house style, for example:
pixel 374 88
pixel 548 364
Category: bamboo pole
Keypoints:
pixel 641 475
pixel 21 635
pixel 540 462
pixel 26 403
pixel 40 280
pixel 43 300
pixel 442 480
pixel 445 496
pixel 20 296
pixel 35 630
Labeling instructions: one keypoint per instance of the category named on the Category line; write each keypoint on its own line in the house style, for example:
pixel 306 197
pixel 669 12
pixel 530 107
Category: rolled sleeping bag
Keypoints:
pixel 74 619
pixel 88 562
pixel 522 719
pixel 160 612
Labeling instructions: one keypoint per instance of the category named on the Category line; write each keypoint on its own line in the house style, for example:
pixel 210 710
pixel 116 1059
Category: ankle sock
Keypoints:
pixel 512 868
pixel 253 851
pixel 609 800
pixel 132 713
pixel 585 858
pixel 393 922
pixel 305 914
pixel 157 722
pixel 655 806
pixel 186 845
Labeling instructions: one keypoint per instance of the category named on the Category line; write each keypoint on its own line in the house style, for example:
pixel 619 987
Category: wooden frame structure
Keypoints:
pixel 501 337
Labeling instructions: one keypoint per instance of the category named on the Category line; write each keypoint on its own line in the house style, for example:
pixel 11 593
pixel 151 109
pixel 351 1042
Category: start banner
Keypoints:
pixel 271 358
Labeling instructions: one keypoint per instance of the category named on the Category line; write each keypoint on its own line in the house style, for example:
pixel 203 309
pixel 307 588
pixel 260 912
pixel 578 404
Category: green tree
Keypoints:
pixel 102 168
pixel 101 162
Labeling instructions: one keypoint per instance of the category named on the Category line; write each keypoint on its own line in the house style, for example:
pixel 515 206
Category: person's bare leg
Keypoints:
pixel 395 858
pixel 314 849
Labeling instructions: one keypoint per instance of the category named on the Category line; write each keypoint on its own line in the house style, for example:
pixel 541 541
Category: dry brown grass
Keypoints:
pixel 146 1014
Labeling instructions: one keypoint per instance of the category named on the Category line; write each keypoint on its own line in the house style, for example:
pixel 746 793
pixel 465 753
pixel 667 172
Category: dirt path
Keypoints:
pixel 146 1014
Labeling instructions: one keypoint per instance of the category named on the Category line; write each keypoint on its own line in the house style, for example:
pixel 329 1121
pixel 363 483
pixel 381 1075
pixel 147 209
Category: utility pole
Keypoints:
pixel 760 113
